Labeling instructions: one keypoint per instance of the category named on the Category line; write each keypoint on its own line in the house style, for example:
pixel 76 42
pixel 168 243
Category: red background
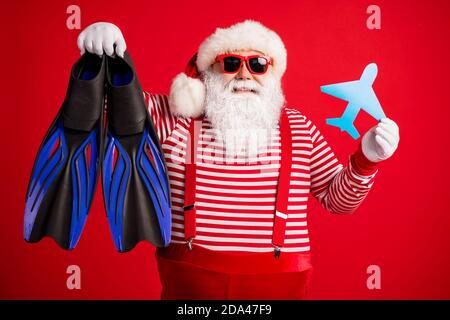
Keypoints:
pixel 402 226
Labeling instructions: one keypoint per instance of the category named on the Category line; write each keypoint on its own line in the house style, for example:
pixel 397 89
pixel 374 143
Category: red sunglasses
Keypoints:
pixel 232 63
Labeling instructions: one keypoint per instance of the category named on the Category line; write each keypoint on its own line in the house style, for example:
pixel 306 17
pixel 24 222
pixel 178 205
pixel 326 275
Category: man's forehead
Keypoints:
pixel 246 52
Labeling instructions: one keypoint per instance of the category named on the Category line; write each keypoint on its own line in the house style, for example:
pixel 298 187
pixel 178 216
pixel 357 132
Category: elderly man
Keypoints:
pixel 241 166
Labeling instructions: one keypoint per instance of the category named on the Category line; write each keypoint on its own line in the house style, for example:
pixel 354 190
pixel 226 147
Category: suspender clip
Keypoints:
pixel 189 244
pixel 277 252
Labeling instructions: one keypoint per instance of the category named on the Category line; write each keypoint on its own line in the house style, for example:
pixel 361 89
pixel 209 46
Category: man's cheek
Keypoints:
pixel 264 81
pixel 227 80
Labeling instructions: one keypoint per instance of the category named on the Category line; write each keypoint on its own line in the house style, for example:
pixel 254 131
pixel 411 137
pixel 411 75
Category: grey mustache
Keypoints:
pixel 246 85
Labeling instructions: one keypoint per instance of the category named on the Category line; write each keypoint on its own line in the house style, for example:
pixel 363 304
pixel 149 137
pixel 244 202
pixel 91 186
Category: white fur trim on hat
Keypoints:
pixel 247 35
pixel 186 96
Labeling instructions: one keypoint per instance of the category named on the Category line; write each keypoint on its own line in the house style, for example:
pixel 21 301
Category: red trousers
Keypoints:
pixel 206 274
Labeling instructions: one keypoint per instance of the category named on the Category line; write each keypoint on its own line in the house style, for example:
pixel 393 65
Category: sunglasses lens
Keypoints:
pixel 231 64
pixel 258 65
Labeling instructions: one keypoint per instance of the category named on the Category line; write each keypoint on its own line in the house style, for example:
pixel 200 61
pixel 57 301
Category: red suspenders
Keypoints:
pixel 284 180
pixel 190 183
pixel 280 217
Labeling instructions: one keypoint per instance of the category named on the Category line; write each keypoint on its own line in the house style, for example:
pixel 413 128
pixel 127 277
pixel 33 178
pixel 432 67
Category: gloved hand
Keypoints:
pixel 380 142
pixel 101 37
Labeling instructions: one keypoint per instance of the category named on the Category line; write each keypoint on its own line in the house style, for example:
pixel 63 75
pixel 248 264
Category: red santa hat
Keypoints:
pixel 187 93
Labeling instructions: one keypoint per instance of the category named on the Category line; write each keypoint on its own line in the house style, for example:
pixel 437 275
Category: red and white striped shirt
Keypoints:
pixel 235 200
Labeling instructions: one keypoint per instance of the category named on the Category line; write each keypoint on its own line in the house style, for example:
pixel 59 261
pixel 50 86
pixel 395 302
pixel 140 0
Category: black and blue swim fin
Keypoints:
pixel 135 181
pixel 65 172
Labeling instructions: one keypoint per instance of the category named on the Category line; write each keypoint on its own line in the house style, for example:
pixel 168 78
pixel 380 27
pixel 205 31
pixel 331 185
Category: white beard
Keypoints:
pixel 243 122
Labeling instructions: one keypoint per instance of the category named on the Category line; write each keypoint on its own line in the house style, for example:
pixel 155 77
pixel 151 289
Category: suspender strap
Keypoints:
pixel 279 224
pixel 190 183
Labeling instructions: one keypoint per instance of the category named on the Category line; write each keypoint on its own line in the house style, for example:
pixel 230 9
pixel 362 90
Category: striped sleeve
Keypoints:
pixel 339 189
pixel 163 120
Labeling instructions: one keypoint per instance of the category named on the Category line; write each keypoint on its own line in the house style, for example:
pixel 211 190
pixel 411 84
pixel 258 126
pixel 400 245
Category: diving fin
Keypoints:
pixel 135 181
pixel 65 171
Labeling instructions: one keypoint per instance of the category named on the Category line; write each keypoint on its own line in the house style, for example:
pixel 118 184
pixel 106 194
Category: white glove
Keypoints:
pixel 380 142
pixel 102 36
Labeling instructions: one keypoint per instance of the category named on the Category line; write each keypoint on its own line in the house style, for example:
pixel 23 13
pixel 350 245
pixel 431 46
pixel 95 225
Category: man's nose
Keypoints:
pixel 244 73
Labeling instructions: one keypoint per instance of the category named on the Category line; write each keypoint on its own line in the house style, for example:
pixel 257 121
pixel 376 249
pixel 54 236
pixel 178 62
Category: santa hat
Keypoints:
pixel 187 93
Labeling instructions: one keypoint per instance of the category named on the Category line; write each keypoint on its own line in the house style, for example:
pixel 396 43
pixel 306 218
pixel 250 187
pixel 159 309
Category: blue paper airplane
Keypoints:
pixel 360 95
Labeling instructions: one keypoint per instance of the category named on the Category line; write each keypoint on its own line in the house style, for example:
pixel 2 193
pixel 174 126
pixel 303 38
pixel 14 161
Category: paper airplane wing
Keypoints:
pixel 370 104
pixel 345 90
